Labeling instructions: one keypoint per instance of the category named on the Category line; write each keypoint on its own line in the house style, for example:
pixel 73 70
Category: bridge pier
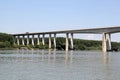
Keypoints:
pixel 43 39
pixel 54 41
pixel 18 41
pixel 23 41
pixel 49 41
pixel 71 40
pixel 27 39
pixel 38 39
pixel 67 42
pixel 14 39
pixel 33 40
pixel 108 39
pixel 106 42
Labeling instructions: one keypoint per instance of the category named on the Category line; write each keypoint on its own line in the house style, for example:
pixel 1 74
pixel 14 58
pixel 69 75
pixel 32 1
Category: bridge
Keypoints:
pixel 106 36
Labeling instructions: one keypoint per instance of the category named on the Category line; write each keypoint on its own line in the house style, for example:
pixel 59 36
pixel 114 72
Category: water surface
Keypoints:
pixel 59 65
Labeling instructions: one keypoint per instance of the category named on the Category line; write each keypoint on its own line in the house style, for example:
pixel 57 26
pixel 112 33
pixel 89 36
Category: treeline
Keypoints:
pixel 6 41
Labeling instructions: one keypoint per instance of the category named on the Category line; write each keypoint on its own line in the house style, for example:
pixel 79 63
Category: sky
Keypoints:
pixel 20 16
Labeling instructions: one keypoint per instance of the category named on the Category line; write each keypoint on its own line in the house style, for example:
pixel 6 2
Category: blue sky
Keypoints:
pixel 19 16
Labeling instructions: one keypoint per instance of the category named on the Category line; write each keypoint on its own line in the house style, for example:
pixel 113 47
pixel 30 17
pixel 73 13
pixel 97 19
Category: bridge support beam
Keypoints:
pixel 71 40
pixel 23 41
pixel 43 39
pixel 108 39
pixel 38 40
pixel 33 40
pixel 18 41
pixel 104 42
pixel 49 41
pixel 54 41
pixel 67 42
pixel 27 39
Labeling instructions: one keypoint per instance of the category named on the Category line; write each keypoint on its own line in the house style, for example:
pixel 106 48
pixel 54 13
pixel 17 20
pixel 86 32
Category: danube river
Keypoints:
pixel 59 65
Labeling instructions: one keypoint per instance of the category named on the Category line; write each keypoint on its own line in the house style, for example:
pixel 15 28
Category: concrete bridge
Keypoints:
pixel 106 36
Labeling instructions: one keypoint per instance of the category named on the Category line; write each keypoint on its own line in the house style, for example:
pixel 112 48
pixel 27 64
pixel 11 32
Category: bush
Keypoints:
pixel 5 45
pixel 2 45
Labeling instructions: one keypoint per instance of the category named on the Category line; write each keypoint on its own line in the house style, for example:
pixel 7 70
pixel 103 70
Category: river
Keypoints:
pixel 59 65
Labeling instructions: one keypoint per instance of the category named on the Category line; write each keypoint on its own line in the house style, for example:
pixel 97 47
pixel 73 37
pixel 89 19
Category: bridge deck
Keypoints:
pixel 92 31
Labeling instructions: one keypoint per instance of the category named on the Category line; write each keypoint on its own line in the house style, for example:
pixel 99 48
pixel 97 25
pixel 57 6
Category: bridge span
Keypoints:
pixel 106 36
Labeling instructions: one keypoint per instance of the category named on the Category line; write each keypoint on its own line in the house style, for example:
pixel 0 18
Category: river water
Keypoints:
pixel 59 65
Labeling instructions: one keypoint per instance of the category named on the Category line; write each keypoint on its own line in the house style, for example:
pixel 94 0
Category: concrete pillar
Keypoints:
pixel 108 37
pixel 33 40
pixel 27 39
pixel 14 38
pixel 38 39
pixel 104 42
pixel 43 39
pixel 49 41
pixel 54 41
pixel 71 41
pixel 18 41
pixel 23 41
pixel 67 42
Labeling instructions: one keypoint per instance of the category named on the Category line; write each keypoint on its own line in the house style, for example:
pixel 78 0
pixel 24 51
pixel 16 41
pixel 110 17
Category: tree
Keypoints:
pixel 6 40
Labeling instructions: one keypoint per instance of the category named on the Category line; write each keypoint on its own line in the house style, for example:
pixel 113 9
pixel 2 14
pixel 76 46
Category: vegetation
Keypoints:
pixel 6 42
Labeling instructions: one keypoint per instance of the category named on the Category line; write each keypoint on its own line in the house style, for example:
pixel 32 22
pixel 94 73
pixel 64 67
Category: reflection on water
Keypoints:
pixel 106 58
pixel 58 65
pixel 106 62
